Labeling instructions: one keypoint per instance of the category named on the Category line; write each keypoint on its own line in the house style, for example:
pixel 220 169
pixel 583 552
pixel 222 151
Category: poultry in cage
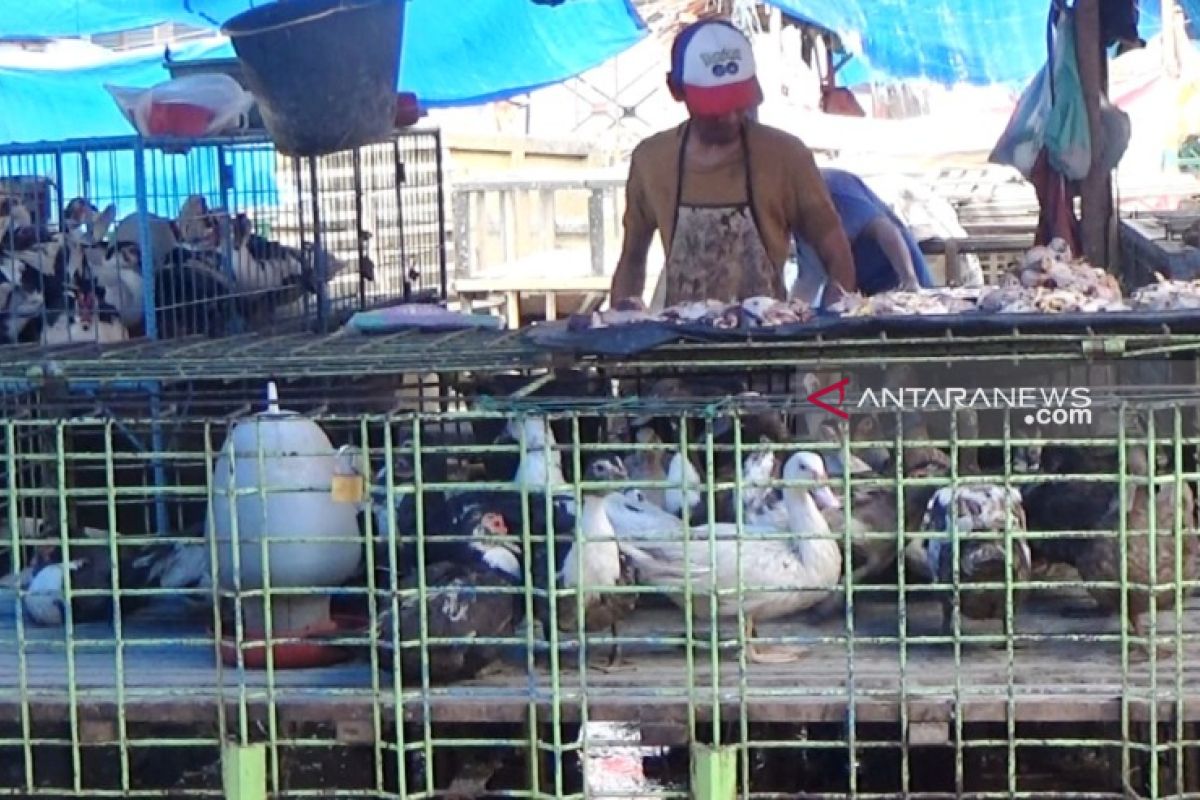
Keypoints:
pixel 777 576
pixel 682 497
pixel 594 562
pixel 87 564
pixel 1080 505
pixel 647 465
pixel 40 300
pixel 961 513
pixel 437 506
pixel 106 272
pixel 463 600
pixel 600 563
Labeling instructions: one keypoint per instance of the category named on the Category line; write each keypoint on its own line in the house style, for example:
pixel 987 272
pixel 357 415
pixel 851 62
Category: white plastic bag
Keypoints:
pixel 1058 123
pixel 191 106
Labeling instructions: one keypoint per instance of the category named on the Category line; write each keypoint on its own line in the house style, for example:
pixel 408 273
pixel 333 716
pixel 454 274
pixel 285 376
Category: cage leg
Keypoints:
pixel 244 771
pixel 714 772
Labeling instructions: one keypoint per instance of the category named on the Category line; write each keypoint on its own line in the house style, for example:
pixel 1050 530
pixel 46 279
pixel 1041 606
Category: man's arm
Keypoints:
pixel 891 241
pixel 629 278
pixel 818 222
pixel 834 249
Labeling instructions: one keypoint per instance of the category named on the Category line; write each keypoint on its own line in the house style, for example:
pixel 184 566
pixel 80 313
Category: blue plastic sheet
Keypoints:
pixel 453 54
pixel 982 42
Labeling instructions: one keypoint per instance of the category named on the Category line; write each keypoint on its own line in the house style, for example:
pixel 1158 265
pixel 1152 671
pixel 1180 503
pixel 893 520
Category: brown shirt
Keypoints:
pixel 789 192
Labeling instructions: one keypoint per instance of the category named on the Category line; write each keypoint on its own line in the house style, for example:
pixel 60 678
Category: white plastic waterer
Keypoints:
pixel 278 468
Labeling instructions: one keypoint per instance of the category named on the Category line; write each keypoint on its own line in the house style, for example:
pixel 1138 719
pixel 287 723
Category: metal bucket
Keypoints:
pixel 324 72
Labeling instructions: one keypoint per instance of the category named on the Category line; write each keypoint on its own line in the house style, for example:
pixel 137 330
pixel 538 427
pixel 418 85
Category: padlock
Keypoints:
pixel 348 483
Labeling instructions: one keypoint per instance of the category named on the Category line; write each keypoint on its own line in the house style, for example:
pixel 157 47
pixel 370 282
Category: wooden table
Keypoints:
pixel 473 290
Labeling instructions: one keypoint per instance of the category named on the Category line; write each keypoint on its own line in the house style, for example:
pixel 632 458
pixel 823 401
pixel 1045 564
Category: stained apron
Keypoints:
pixel 716 251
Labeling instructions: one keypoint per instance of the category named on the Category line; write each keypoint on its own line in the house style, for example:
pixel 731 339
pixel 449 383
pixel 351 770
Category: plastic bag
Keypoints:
pixel 1068 136
pixel 192 106
pixel 1058 123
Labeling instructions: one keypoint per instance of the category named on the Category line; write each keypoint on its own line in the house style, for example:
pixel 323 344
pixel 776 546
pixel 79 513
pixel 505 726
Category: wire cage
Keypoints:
pixel 900 685
pixel 216 236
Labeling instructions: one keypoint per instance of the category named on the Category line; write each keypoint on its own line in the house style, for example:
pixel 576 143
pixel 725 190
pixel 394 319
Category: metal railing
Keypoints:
pixel 548 218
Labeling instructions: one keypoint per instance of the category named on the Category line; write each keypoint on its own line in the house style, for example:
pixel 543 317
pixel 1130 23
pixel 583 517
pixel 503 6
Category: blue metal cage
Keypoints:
pixel 226 235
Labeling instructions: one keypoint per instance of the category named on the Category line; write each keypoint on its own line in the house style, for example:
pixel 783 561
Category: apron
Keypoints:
pixel 716 251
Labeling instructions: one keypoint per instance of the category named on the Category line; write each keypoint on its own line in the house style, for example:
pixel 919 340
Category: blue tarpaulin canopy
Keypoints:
pixel 453 54
pixel 982 42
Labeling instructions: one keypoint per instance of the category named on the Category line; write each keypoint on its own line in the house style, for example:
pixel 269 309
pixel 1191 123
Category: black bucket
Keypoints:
pixel 323 71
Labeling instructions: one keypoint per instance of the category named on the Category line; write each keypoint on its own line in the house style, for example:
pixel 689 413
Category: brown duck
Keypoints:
pixel 1148 564
pixel 1092 505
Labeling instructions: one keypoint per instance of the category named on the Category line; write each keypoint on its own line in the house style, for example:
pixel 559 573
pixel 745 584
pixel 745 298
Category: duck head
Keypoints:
pixel 759 468
pixel 647 435
pixel 491 540
pixel 607 468
pixel 974 508
pixel 808 466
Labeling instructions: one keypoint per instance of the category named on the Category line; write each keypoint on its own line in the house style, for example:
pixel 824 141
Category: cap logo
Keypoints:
pixel 721 56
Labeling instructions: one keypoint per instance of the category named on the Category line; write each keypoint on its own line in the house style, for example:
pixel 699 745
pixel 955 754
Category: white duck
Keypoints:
pixel 541 463
pixel 682 497
pixel 805 566
pixel 762 503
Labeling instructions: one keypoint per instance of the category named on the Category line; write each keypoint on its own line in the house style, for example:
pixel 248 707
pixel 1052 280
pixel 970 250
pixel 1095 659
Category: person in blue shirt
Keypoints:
pixel 886 255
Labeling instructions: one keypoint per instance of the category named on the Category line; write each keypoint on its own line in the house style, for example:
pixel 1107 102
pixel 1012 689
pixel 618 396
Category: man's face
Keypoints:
pixel 723 129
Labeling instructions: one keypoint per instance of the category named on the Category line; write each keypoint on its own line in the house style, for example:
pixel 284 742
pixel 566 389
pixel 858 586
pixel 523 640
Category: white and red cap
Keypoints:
pixel 712 63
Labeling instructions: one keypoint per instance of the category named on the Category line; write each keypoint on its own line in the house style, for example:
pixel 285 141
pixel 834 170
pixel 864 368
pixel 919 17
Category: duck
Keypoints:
pixel 85 317
pixel 22 300
pixel 538 473
pixel 435 504
pixel 873 509
pixel 762 502
pixel 1174 514
pixel 117 277
pixel 595 562
pixel 179 566
pixel 1092 505
pixel 807 564
pixel 863 460
pixel 970 509
pixel 682 496
pixel 464 599
pixel 647 464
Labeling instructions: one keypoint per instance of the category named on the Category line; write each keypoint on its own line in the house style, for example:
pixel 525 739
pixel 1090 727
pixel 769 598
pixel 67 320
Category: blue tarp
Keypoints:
pixel 982 42
pixel 453 54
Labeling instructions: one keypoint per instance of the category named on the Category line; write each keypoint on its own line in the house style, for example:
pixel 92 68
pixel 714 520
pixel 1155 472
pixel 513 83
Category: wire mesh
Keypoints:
pixel 900 690
pixel 217 237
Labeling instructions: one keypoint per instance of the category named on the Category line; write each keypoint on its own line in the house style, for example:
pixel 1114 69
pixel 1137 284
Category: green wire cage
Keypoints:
pixel 733 676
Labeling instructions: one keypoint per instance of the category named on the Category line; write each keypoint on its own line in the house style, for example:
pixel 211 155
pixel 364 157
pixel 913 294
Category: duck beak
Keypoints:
pixel 825 498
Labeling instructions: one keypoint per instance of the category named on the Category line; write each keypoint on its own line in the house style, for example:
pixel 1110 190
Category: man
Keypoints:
pixel 726 193
pixel 886 255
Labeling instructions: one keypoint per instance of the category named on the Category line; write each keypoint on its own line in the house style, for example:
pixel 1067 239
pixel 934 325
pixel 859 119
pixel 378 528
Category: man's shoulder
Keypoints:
pixel 658 144
pixel 776 139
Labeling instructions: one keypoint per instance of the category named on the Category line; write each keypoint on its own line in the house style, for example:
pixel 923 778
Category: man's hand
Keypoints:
pixel 833 293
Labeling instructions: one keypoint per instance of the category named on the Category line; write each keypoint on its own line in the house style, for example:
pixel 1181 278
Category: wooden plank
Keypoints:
pixel 1051 679
pixel 530 284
